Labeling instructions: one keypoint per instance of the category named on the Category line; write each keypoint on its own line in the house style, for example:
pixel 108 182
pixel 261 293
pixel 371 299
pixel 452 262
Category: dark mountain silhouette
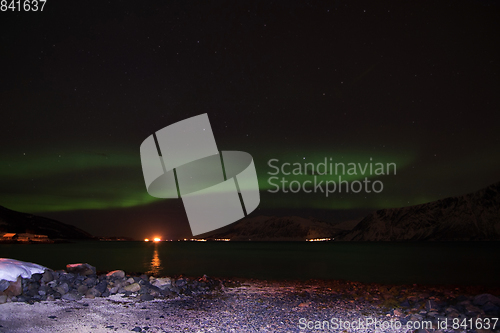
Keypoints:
pixel 471 217
pixel 17 222
pixel 265 228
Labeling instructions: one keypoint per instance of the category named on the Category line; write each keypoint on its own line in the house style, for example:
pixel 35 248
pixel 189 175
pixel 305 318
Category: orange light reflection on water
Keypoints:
pixel 155 266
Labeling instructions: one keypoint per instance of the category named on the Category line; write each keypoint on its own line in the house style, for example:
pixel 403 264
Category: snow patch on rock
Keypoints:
pixel 10 269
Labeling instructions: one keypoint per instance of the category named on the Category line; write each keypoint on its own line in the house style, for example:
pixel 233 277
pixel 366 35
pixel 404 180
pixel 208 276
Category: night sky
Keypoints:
pixel 83 83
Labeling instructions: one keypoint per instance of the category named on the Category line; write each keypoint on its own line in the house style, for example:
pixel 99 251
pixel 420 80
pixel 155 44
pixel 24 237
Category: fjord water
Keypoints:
pixel 461 263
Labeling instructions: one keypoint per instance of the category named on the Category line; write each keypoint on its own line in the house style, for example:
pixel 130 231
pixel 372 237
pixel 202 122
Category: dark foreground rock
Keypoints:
pixel 81 281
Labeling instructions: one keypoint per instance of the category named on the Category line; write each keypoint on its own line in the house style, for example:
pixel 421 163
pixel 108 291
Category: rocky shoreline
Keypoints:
pixel 81 281
pixel 285 304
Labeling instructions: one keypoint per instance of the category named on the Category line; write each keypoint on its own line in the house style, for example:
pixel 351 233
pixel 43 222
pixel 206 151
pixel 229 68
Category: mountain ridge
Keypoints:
pixel 18 222
pixel 470 217
pixel 272 228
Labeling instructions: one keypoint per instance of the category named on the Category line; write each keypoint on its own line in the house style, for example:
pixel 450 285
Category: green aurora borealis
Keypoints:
pixel 47 181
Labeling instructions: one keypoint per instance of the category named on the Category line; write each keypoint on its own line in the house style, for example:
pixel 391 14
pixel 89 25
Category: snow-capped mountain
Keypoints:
pixel 474 216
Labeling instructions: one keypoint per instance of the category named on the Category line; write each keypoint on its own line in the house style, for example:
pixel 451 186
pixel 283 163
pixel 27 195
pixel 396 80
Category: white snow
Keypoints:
pixel 10 269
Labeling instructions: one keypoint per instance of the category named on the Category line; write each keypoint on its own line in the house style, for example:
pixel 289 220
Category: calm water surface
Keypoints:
pixel 423 263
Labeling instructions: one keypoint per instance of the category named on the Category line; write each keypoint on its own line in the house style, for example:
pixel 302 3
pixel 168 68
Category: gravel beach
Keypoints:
pixel 261 306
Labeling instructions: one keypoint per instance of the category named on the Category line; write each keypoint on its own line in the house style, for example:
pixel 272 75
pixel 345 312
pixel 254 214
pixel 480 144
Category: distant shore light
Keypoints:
pixel 146 239
pixel 157 239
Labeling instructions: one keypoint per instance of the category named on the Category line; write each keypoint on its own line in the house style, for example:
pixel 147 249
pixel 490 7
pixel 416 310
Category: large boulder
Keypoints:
pixel 47 276
pixel 15 288
pixel 134 287
pixel 80 269
pixel 4 284
pixel 62 289
pixel 118 274
pixel 162 283
pixel 485 298
pixel 92 293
